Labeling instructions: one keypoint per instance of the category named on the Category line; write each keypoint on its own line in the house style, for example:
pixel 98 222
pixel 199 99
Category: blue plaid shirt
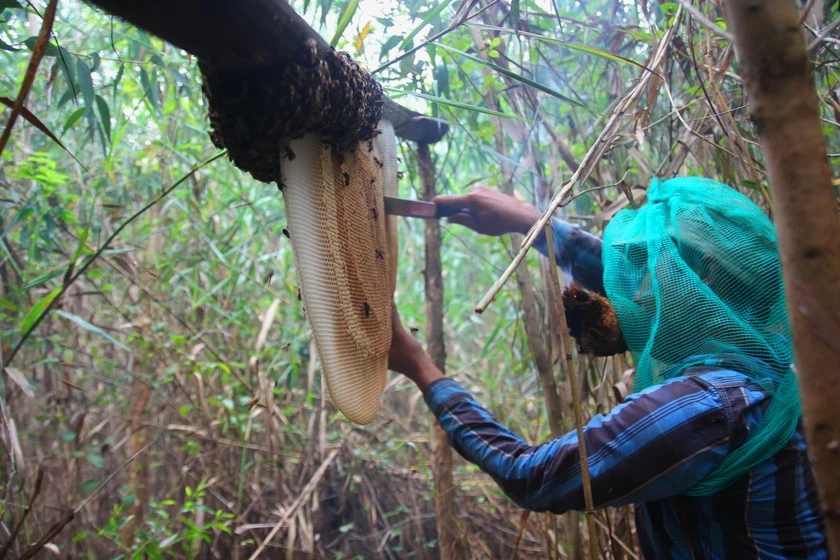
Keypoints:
pixel 648 451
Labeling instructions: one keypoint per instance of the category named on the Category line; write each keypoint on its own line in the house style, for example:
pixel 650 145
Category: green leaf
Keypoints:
pixel 429 17
pixel 86 85
pixel 7 47
pixel 104 115
pixel 96 460
pixel 72 119
pixel 519 78
pixel 43 279
pixel 388 45
pixel 441 74
pixel 51 50
pixel 38 309
pixel 92 328
pixel 344 21
pixel 9 4
pixel 449 102
pixel 8 305
pixel 149 89
pixel 157 61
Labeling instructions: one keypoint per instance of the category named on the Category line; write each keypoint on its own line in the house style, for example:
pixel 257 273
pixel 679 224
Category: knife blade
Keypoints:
pixel 417 209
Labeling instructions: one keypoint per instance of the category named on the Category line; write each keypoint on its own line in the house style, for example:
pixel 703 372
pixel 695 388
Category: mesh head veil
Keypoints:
pixel 695 279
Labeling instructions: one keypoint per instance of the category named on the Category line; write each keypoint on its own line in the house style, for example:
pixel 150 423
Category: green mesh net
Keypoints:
pixel 695 279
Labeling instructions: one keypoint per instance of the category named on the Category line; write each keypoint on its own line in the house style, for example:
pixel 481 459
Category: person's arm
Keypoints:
pixel 577 252
pixel 658 443
pixel 491 212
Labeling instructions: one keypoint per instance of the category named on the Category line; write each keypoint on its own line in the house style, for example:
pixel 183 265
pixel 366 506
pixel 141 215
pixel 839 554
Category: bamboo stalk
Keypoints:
pixel 575 387
pixel 445 511
pixel 783 106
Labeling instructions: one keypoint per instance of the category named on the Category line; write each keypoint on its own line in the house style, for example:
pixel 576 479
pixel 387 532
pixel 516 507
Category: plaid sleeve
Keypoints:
pixel 577 252
pixel 658 443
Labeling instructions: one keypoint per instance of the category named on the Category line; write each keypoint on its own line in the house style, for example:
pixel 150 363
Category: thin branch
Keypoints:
pixel 582 173
pixel 38 52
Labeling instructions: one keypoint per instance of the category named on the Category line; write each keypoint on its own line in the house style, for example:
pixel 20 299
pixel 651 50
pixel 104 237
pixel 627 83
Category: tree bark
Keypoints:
pixel 244 35
pixel 783 107
pixel 445 512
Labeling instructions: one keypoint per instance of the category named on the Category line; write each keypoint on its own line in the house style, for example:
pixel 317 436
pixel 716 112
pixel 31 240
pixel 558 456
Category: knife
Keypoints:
pixel 418 209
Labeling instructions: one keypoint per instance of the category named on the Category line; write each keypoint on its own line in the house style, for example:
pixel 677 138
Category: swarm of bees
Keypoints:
pixel 254 113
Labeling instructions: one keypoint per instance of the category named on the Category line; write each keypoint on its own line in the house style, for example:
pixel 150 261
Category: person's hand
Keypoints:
pixel 489 212
pixel 408 357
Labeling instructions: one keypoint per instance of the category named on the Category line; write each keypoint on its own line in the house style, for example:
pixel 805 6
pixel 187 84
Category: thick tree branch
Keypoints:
pixel 248 34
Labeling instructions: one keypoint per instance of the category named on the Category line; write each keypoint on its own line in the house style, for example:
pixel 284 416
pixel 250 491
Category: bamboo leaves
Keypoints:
pixel 344 21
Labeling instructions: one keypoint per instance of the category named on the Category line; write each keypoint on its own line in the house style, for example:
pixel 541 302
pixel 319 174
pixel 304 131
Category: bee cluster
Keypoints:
pixel 254 113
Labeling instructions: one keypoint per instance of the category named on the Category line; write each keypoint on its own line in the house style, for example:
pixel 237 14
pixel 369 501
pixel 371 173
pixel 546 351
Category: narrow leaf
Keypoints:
pixel 360 41
pixel 9 4
pixel 451 103
pixel 344 21
pixel 392 42
pixel 92 328
pixel 7 47
pixel 157 60
pixel 86 85
pixel 20 380
pixel 51 49
pixel 429 17
pixel 38 309
pixel 8 305
pixel 572 46
pixel 266 325
pixel 72 119
pixel 36 122
pixel 519 78
pixel 104 115
pixel 149 88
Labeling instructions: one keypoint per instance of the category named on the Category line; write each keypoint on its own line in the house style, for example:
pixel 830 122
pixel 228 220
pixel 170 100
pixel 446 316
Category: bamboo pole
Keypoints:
pixel 445 512
pixel 783 107
pixel 578 412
